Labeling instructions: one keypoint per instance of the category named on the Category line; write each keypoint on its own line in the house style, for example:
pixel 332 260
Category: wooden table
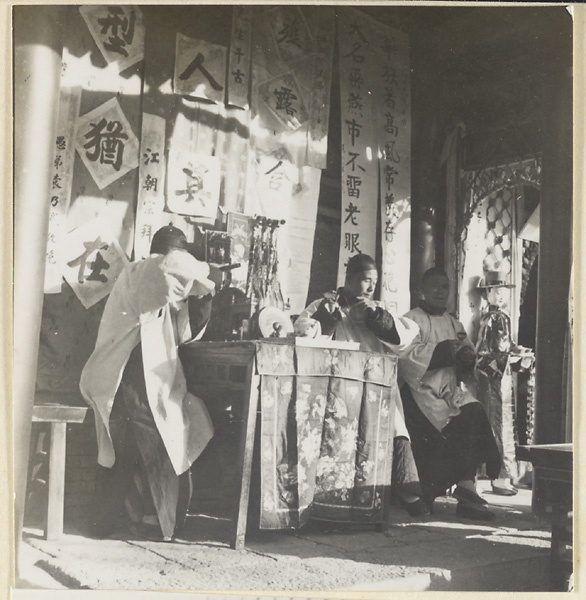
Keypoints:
pixel 226 376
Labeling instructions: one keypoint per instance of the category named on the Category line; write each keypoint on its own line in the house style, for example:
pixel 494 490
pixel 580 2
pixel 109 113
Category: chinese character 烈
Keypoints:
pixel 354 103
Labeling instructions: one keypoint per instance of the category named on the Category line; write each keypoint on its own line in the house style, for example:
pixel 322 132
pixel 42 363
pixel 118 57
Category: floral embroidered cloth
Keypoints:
pixel 326 434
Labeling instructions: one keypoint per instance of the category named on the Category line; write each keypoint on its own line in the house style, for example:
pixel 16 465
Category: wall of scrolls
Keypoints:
pixel 203 117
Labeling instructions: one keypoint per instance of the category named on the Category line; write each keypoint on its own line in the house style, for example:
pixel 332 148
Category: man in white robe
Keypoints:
pixel 450 432
pixel 149 428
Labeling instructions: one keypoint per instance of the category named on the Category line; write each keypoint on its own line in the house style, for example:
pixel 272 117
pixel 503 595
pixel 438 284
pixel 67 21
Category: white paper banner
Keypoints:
pixel 151 181
pixel 193 184
pixel 200 69
pixel 118 32
pixel 239 68
pixel 392 117
pixel 60 195
pixel 106 143
pixel 359 139
pixel 94 260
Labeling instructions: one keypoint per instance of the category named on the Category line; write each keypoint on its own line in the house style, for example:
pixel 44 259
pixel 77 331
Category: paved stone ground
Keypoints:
pixel 437 552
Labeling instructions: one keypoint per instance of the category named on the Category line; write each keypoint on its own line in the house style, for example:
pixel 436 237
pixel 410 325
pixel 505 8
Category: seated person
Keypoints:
pixel 350 314
pixel 450 432
pixel 149 428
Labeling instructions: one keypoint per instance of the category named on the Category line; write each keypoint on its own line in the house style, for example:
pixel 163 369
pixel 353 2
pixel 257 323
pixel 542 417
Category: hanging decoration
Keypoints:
pixel 200 69
pixel 93 261
pixel 106 143
pixel 118 32
pixel 60 195
pixel 193 184
pixel 151 179
pixel 358 63
pixel 239 68
pixel 392 118
pixel 239 230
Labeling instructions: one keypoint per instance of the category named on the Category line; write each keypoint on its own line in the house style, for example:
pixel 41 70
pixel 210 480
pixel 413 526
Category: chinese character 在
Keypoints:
pixel 391 153
pixel 60 142
pixel 106 140
pixel 150 156
pixel 150 183
pixel 122 29
pixel 352 161
pixel 390 126
pixel 355 78
pixel 353 129
pixel 357 58
pixel 238 76
pixel 351 241
pixel 353 184
pixel 284 97
pixel 352 210
pixel 194 65
pixel 354 103
pixel 290 33
pixel 97 267
pixel 82 259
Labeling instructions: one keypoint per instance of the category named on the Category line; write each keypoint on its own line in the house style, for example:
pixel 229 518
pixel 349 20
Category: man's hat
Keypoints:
pixel 168 238
pixel 359 263
pixel 494 279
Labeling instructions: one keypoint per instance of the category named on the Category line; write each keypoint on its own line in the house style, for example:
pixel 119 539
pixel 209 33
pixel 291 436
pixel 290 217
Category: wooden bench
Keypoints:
pixel 58 416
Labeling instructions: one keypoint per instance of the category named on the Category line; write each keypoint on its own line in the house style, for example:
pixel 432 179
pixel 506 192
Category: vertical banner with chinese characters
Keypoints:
pixel 151 179
pixel 93 261
pixel 356 40
pixel 60 196
pixel 118 32
pixel 239 66
pixel 106 143
pixel 392 118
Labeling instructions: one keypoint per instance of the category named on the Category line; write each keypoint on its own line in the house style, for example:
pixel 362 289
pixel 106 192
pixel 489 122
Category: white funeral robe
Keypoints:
pixel 436 392
pixel 148 304
pixel 348 329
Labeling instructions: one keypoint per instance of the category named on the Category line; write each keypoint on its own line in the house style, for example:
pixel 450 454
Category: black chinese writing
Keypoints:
pixel 106 140
pixel 351 241
pixel 355 78
pixel 355 103
pixel 82 261
pixel 122 29
pixel 150 183
pixel 353 184
pixel 353 129
pixel 150 156
pixel 238 76
pixel 354 55
pixel 390 152
pixel 193 185
pixel 390 126
pixel 352 210
pixel 284 98
pixel 290 33
pixel 352 161
pixel 60 142
pixel 194 65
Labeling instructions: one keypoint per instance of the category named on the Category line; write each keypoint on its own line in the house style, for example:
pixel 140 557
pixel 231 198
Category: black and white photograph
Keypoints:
pixel 293 301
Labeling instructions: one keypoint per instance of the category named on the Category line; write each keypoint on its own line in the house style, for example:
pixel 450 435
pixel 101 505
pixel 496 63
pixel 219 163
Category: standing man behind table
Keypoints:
pixel 350 314
pixel 149 428
pixel 450 432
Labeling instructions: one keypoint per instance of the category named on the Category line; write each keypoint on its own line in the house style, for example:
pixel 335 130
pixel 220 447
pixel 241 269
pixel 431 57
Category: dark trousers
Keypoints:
pixel 454 454
pixel 142 482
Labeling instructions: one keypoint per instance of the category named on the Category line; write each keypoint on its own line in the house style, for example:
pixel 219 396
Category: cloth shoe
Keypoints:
pixel 474 512
pixel 418 508
pixel 464 495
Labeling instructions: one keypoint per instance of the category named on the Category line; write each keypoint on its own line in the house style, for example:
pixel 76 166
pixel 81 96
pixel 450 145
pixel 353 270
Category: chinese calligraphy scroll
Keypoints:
pixel 356 40
pixel 93 262
pixel 392 118
pixel 151 178
pixel 60 194
pixel 118 32
pixel 106 143
pixel 239 57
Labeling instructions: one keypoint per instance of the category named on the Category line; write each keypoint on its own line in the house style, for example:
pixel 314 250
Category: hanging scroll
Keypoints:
pixel 392 118
pixel 60 194
pixel 193 184
pixel 359 139
pixel 94 261
pixel 118 32
pixel 200 69
pixel 239 58
pixel 151 178
pixel 106 143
